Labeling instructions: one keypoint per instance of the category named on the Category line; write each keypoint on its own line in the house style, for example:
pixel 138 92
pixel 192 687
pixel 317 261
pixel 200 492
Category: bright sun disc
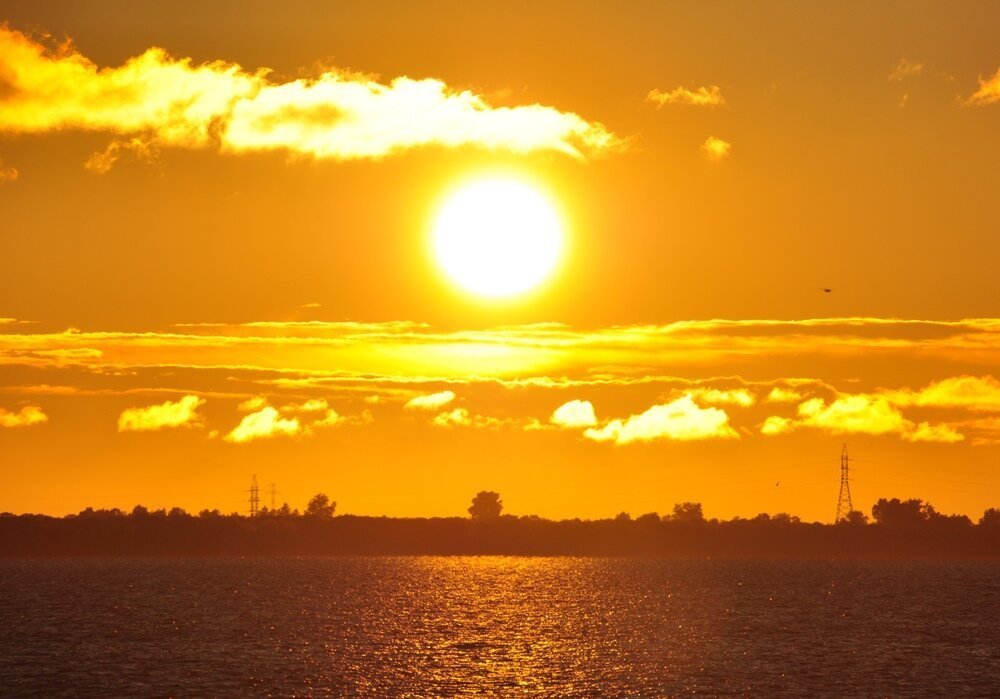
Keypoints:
pixel 497 237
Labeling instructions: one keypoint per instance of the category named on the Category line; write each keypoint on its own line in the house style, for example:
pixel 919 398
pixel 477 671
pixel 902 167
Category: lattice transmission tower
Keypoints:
pixel 274 498
pixel 254 496
pixel 844 504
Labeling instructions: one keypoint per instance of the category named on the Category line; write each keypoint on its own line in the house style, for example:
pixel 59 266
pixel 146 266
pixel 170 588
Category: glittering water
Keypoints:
pixel 497 626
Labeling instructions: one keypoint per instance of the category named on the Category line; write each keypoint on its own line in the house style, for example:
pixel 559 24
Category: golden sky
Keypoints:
pixel 216 255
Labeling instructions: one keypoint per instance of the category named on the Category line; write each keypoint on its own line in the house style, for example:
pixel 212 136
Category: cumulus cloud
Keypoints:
pixel 969 392
pixel 178 413
pixel 431 401
pixel 681 419
pixel 155 100
pixel 575 413
pixel 251 404
pixel 860 414
pixel 905 69
pixel 716 148
pixel 266 422
pixel 988 92
pixel 25 417
pixel 710 96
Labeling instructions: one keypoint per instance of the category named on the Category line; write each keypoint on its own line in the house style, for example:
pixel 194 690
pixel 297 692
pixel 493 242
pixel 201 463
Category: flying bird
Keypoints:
pixel 826 290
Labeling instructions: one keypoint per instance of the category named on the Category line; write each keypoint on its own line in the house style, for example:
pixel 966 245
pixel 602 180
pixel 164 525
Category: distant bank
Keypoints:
pixel 902 530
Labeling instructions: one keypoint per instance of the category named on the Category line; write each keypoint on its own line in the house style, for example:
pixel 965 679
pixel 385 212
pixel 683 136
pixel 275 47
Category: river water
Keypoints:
pixel 497 626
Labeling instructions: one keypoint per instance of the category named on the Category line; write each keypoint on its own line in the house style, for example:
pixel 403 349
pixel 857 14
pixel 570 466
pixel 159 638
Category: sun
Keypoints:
pixel 497 237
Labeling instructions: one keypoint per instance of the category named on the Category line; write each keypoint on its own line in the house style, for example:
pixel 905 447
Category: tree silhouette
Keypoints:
pixel 486 505
pixel 856 517
pixel 688 513
pixel 990 518
pixel 320 506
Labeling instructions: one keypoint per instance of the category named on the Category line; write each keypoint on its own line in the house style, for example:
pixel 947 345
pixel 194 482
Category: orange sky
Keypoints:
pixel 214 256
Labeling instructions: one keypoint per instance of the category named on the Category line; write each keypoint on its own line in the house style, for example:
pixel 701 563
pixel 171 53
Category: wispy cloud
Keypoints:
pixel 988 92
pixel 25 417
pixel 681 419
pixel 179 413
pixel 709 96
pixel 155 101
pixel 904 69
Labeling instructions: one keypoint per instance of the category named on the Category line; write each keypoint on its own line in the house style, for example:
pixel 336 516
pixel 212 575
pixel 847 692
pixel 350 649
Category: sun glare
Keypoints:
pixel 497 237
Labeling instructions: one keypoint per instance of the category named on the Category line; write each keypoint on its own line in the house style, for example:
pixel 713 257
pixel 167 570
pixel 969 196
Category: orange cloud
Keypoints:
pixel 860 414
pixel 716 396
pixel 432 401
pixel 710 96
pixel 681 419
pixel 716 148
pixel 266 422
pixel 182 412
pixel 154 100
pixel 981 393
pixel 779 394
pixel 25 417
pixel 575 413
pixel 988 92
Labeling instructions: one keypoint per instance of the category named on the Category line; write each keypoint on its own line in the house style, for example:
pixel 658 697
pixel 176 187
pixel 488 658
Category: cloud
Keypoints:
pixel 681 419
pixel 432 401
pixel 255 403
pixel 313 405
pixel 182 412
pixel 453 418
pixel 988 92
pixel 860 414
pixel 266 422
pixel 926 432
pixel 461 417
pixel 154 100
pixel 780 394
pixel 8 174
pixel 905 69
pixel 710 96
pixel 776 424
pixel 716 148
pixel 575 413
pixel 716 396
pixel 25 417
pixel 981 393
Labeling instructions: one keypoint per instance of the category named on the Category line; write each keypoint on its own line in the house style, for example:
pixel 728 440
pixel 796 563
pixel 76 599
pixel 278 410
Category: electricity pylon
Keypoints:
pixel 844 504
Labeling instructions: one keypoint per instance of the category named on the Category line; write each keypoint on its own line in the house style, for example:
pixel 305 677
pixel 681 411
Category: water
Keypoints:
pixel 429 626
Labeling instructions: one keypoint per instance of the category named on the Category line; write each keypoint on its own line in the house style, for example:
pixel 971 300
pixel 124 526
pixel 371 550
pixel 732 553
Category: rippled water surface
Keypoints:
pixel 498 626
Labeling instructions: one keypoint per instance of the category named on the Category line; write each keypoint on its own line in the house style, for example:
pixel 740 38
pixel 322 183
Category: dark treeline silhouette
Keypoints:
pixel 898 529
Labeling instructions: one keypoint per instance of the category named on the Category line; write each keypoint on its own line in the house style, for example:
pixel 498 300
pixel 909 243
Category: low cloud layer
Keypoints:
pixel 155 101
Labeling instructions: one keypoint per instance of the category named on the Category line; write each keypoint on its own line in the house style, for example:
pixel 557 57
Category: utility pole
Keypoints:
pixel 844 504
pixel 254 497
